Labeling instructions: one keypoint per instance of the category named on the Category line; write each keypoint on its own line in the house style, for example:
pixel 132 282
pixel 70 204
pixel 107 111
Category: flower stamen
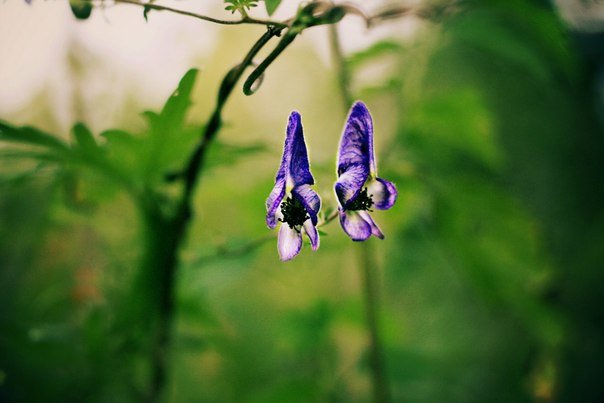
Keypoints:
pixel 294 213
pixel 361 202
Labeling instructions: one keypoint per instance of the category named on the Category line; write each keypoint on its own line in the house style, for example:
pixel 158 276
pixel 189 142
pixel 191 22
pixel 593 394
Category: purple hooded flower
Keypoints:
pixel 292 202
pixel 358 188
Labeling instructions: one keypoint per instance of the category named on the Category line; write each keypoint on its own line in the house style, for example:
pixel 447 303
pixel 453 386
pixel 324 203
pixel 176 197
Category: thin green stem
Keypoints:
pixel 191 173
pixel 341 66
pixel 369 273
pixel 366 254
pixel 256 75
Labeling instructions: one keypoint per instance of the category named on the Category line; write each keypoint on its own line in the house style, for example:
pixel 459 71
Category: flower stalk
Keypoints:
pixel 368 265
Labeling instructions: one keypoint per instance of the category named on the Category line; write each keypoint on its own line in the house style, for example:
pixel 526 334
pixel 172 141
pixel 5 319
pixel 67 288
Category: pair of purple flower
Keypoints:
pixel 358 188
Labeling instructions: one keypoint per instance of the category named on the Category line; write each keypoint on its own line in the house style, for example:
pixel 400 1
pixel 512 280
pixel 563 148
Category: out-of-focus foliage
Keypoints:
pixel 89 309
pixel 497 155
pixel 491 270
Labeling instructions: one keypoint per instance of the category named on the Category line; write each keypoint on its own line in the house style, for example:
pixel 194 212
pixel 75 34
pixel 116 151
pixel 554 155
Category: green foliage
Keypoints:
pixel 515 32
pixel 84 139
pixel 31 136
pixel 240 5
pixel 376 50
pixel 133 160
pixel 491 270
pixel 271 6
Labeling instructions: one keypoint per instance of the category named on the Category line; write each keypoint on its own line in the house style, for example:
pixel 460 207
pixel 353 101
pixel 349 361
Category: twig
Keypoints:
pixel 193 167
pixel 248 85
pixel 244 20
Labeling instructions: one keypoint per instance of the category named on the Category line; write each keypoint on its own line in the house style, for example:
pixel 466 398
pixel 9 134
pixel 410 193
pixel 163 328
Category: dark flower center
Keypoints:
pixel 362 202
pixel 294 213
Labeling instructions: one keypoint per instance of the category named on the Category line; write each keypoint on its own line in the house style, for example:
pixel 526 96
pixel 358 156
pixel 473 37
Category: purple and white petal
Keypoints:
pixel 350 184
pixel 309 199
pixel 273 201
pixel 356 144
pixel 313 234
pixel 298 169
pixel 382 192
pixel 375 230
pixel 355 226
pixel 289 242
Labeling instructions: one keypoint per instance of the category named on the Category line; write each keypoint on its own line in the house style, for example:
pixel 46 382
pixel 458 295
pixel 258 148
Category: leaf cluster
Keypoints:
pixel 135 161
pixel 240 5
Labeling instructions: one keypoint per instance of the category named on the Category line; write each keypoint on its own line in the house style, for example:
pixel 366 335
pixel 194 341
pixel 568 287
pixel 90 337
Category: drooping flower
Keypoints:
pixel 292 201
pixel 358 187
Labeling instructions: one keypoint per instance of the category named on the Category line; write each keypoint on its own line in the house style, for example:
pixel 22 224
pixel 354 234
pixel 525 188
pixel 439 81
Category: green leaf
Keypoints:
pixel 167 140
pixel 271 6
pixel 81 9
pixel 176 106
pixel 123 150
pixel 31 136
pixel 83 137
pixel 25 154
pixel 376 50
pixel 240 5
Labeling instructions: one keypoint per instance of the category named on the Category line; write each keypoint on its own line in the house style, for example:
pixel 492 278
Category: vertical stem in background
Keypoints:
pixel 341 66
pixel 366 253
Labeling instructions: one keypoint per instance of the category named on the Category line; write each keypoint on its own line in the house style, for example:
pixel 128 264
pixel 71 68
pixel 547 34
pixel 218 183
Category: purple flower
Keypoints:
pixel 358 188
pixel 292 202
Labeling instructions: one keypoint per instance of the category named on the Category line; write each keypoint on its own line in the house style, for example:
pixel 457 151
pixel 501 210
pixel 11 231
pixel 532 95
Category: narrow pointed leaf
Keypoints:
pixel 271 6
pixel 31 136
pixel 175 108
pixel 83 137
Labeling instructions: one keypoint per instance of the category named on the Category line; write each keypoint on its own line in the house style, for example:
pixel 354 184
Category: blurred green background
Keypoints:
pixel 489 120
